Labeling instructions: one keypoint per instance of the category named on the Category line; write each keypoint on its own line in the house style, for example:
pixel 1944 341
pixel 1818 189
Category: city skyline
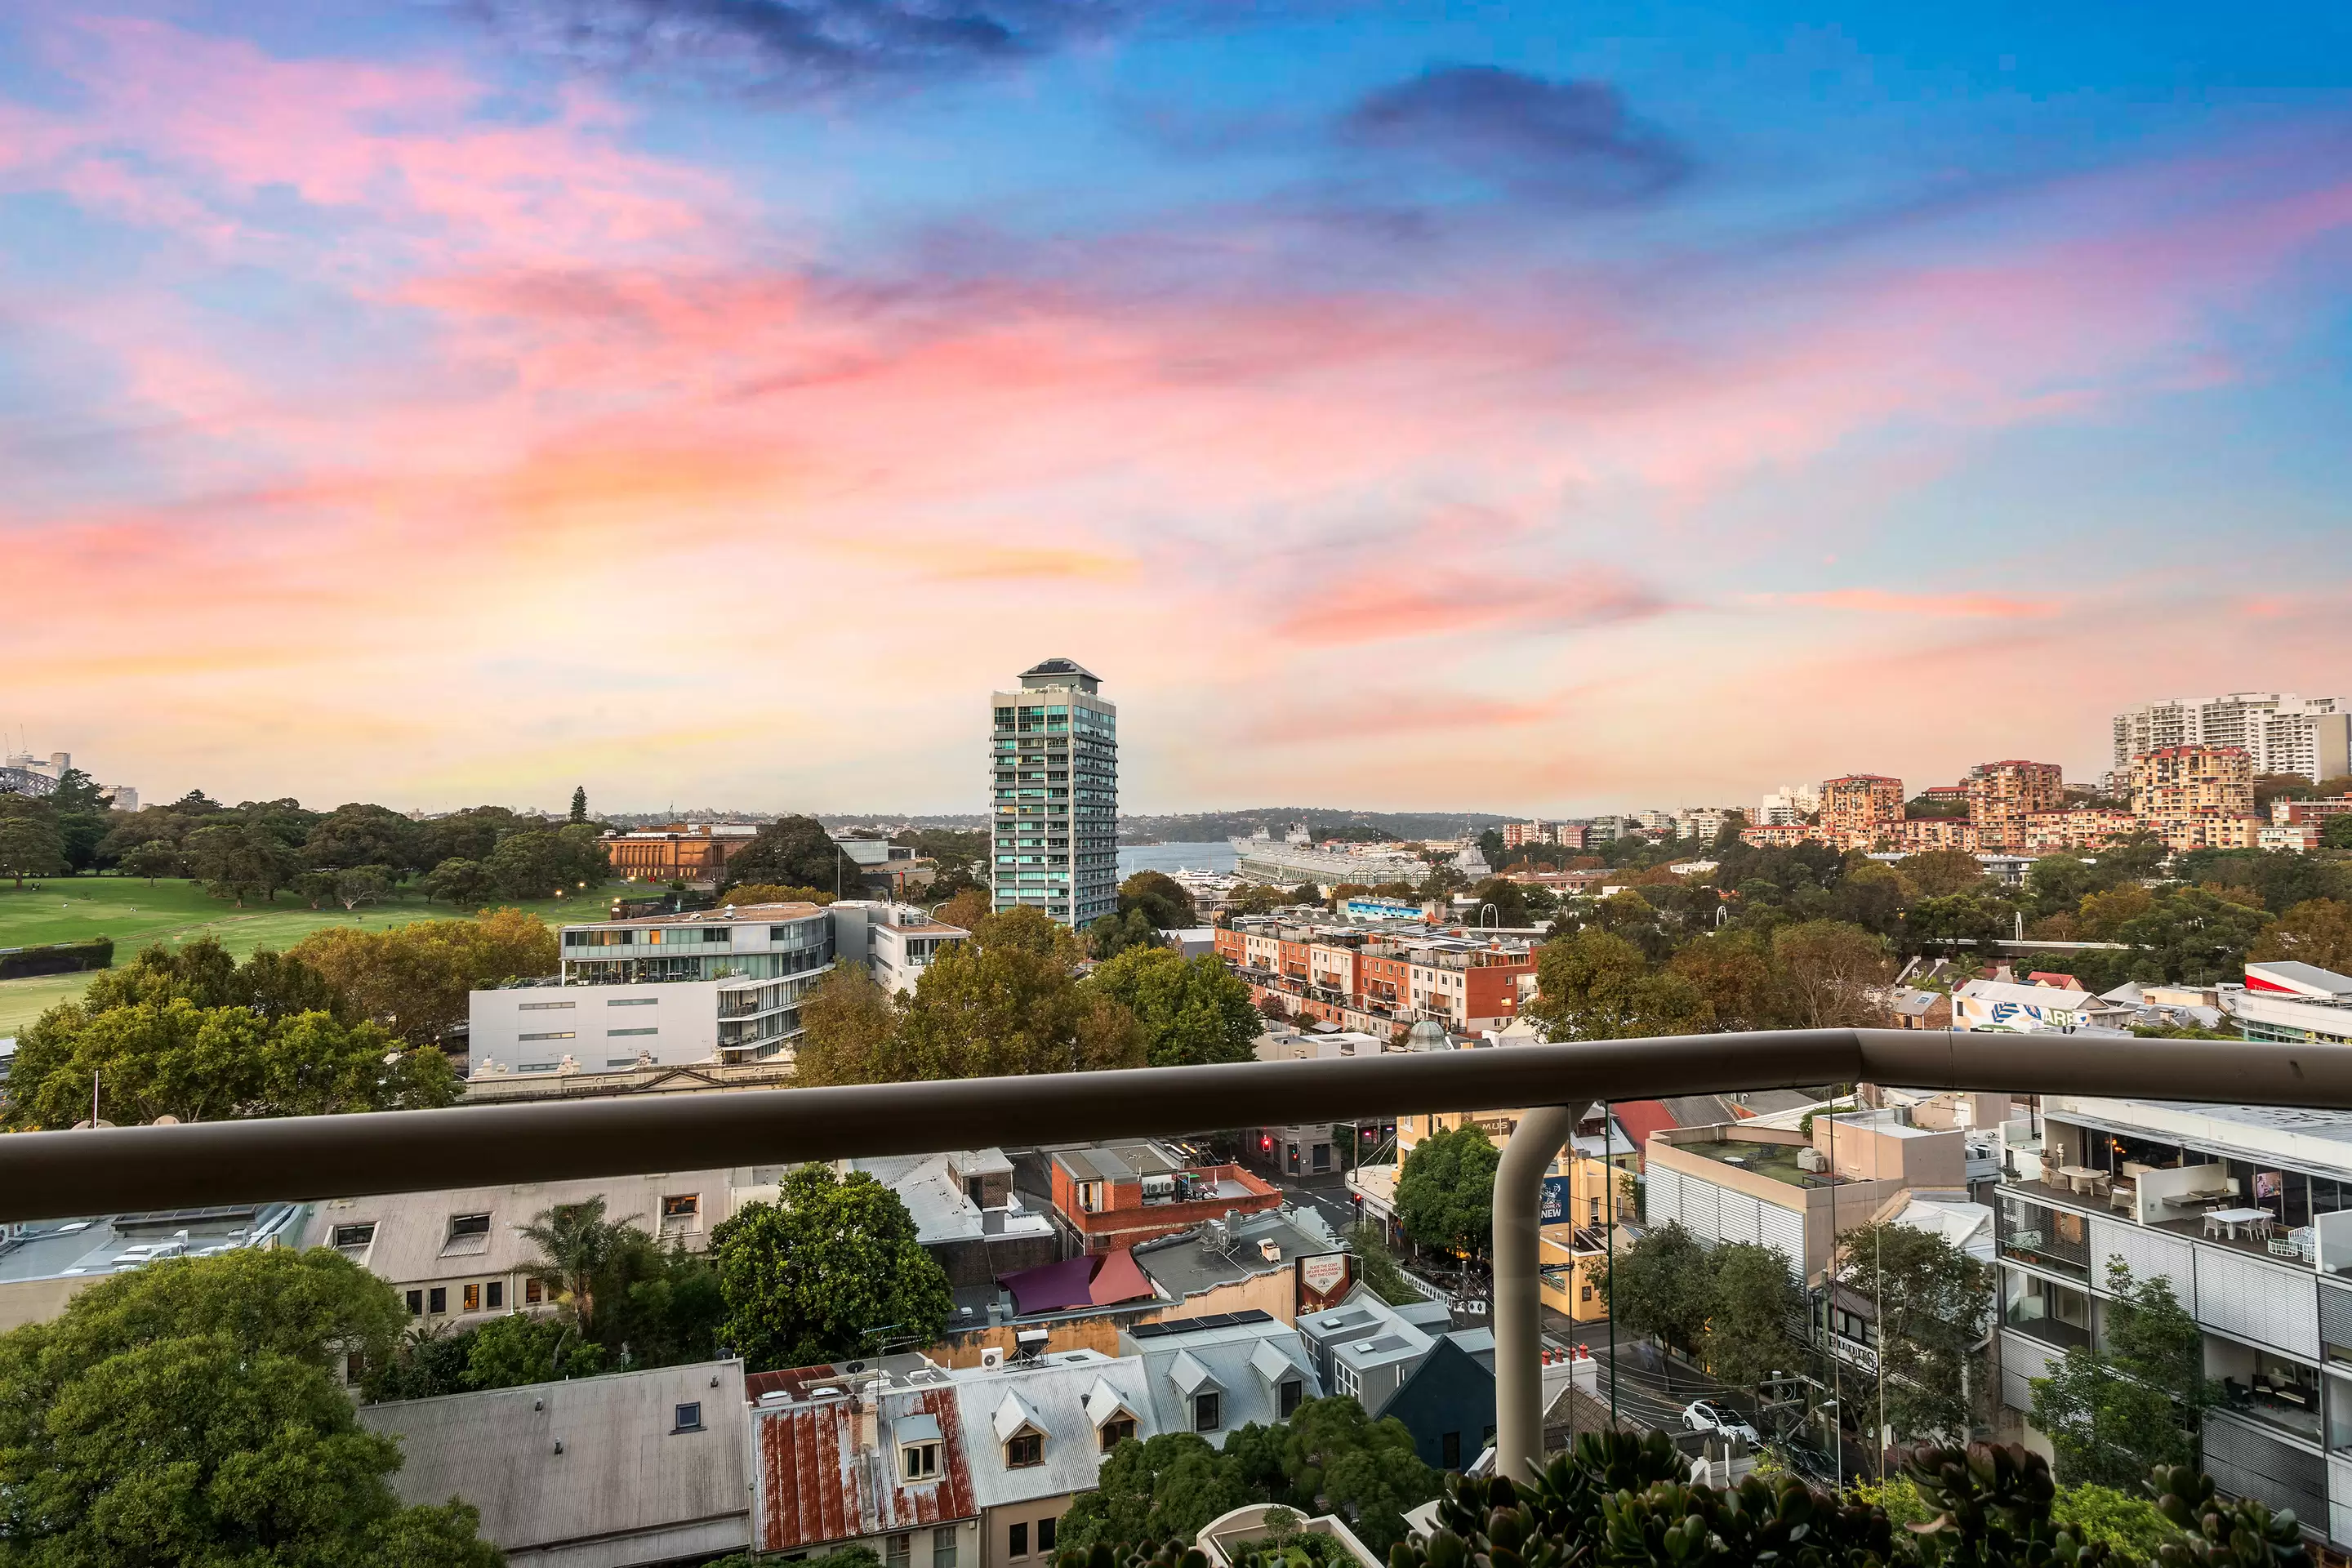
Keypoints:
pixel 1417 409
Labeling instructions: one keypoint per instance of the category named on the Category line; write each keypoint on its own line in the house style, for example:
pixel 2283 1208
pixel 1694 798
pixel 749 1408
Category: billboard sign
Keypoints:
pixel 1323 1280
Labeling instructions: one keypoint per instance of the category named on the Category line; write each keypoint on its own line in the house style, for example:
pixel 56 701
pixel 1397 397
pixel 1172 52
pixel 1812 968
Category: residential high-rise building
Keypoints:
pixel 2197 796
pixel 2279 731
pixel 2003 796
pixel 1054 776
pixel 1856 809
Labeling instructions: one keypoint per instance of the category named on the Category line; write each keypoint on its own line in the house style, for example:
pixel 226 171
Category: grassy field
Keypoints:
pixel 68 908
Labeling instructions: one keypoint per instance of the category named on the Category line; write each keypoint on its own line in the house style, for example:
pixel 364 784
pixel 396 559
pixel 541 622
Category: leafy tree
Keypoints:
pixel 576 1244
pixel 185 1413
pixel 1738 979
pixel 793 852
pixel 2335 833
pixel 469 834
pixel 234 861
pixel 1257 900
pixel 1378 1267
pixel 462 882
pixel 1596 985
pixel 1366 1471
pixel 1006 1002
pixel 1111 936
pixel 519 1348
pixel 1193 1010
pixel 361 885
pixel 202 971
pixel 1509 899
pixel 966 909
pixel 154 859
pixel 1932 1299
pixel 360 835
pixel 2101 916
pixel 850 1023
pixel 1941 872
pixel 1830 970
pixel 213 1064
pixel 536 863
pixel 1446 1193
pixel 414 979
pixel 1306 893
pixel 31 843
pixel 1751 1300
pixel 2114 1412
pixel 1162 897
pixel 2318 930
pixel 2192 935
pixel 1662 1286
pixel 827 1271
pixel 578 803
pixel 1973 916
pixel 1162 1489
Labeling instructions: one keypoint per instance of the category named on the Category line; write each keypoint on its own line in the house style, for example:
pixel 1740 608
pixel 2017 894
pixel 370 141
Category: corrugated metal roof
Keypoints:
pixel 817 1486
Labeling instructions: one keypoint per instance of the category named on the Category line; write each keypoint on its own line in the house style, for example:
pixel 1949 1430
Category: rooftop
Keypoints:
pixel 1778 1161
pixel 1190 1265
pixel 49 1249
pixel 730 915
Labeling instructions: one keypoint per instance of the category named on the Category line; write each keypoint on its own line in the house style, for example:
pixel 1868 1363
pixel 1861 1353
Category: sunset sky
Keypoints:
pixel 1515 407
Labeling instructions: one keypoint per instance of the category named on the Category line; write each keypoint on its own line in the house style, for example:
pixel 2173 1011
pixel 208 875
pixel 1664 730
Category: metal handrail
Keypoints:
pixel 48 1174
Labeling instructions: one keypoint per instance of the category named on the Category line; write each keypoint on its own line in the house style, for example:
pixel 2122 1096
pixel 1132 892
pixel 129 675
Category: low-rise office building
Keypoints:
pixel 898 942
pixel 1122 1195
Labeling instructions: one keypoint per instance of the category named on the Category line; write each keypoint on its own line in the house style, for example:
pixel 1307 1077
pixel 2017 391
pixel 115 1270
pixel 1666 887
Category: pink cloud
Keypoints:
pixel 1956 606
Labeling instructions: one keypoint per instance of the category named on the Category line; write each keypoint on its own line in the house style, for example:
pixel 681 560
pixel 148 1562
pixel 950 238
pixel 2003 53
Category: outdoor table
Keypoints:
pixel 2233 1218
pixel 2080 1177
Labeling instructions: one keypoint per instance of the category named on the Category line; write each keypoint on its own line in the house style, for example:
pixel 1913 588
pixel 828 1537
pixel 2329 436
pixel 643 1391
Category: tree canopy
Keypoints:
pixel 413 980
pixel 1931 1301
pixel 185 1413
pixel 1191 1010
pixel 793 852
pixel 829 1270
pixel 2133 1403
pixel 1446 1191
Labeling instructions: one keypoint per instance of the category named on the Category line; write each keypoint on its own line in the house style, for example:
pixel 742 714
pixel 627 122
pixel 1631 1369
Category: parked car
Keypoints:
pixel 1701 1416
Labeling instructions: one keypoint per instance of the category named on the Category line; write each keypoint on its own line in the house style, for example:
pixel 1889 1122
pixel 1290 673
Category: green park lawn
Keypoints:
pixel 70 909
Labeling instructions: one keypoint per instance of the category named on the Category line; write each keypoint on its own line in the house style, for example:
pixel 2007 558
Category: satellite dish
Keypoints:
pixel 166 1120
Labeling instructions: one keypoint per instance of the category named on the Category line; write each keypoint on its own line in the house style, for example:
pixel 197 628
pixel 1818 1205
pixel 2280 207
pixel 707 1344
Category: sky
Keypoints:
pixel 1477 407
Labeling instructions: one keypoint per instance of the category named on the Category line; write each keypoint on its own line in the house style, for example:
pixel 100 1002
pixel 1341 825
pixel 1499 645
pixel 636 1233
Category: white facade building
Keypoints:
pixel 898 941
pixel 1053 791
pixel 2281 732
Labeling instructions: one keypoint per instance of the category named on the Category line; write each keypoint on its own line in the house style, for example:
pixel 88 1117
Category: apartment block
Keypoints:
pixel 2279 731
pixel 1054 781
pixel 1918 836
pixel 1374 980
pixel 1860 808
pixel 2085 828
pixel 1779 835
pixel 2247 1211
pixel 2003 796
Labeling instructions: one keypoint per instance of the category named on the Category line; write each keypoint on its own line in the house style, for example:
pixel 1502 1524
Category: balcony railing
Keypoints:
pixel 113 1169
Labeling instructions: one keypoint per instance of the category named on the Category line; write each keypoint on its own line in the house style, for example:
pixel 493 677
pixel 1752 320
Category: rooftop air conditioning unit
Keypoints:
pixel 991 1359
pixel 1812 1159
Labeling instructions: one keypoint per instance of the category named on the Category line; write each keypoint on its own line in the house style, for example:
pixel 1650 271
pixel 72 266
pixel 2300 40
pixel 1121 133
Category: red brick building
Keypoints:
pixel 1123 1195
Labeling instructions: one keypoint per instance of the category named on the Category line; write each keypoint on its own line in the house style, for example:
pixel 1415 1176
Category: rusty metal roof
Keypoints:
pixel 817 1486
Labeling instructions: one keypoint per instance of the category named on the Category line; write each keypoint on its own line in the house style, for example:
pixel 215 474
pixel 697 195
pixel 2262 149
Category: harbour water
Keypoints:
pixel 1134 857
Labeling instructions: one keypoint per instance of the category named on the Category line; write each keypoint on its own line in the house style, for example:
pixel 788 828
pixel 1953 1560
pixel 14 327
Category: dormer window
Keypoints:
pixel 918 1439
pixel 1025 1450
pixel 1117 1430
pixel 919 1462
pixel 1208 1410
pixel 1288 1394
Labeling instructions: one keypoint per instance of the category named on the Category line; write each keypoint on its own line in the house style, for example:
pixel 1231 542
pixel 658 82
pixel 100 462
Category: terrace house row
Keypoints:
pixel 1375 980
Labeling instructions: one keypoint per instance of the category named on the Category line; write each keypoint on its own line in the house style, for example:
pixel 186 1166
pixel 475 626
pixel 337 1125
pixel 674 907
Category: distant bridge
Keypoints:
pixel 24 781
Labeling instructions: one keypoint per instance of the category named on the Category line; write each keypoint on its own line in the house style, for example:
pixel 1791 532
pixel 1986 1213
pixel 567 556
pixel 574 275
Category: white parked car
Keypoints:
pixel 1701 1416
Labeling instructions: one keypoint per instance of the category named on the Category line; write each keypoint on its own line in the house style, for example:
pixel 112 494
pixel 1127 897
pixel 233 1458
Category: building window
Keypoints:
pixel 533 1293
pixel 919 1461
pixel 1026 1449
pixel 897 1549
pixel 1449 1451
pixel 350 1237
pixel 494 1294
pixel 1117 1430
pixel 689 1417
pixel 944 1546
pixel 683 1209
pixel 437 1299
pixel 610 1034
pixel 1016 1539
pixel 417 1303
pixel 1046 1533
pixel 554 1035
pixel 468 1224
pixel 1288 1396
pixel 1208 1411
pixel 471 1295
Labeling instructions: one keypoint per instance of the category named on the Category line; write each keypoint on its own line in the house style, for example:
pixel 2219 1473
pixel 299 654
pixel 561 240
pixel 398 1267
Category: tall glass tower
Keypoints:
pixel 1054 759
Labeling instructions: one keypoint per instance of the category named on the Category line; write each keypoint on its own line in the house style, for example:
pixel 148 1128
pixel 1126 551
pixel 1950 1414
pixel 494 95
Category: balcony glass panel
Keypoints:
pixel 2047 1237
pixel 2043 1309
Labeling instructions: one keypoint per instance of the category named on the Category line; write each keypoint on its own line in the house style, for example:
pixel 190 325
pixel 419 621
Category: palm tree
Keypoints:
pixel 576 1243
